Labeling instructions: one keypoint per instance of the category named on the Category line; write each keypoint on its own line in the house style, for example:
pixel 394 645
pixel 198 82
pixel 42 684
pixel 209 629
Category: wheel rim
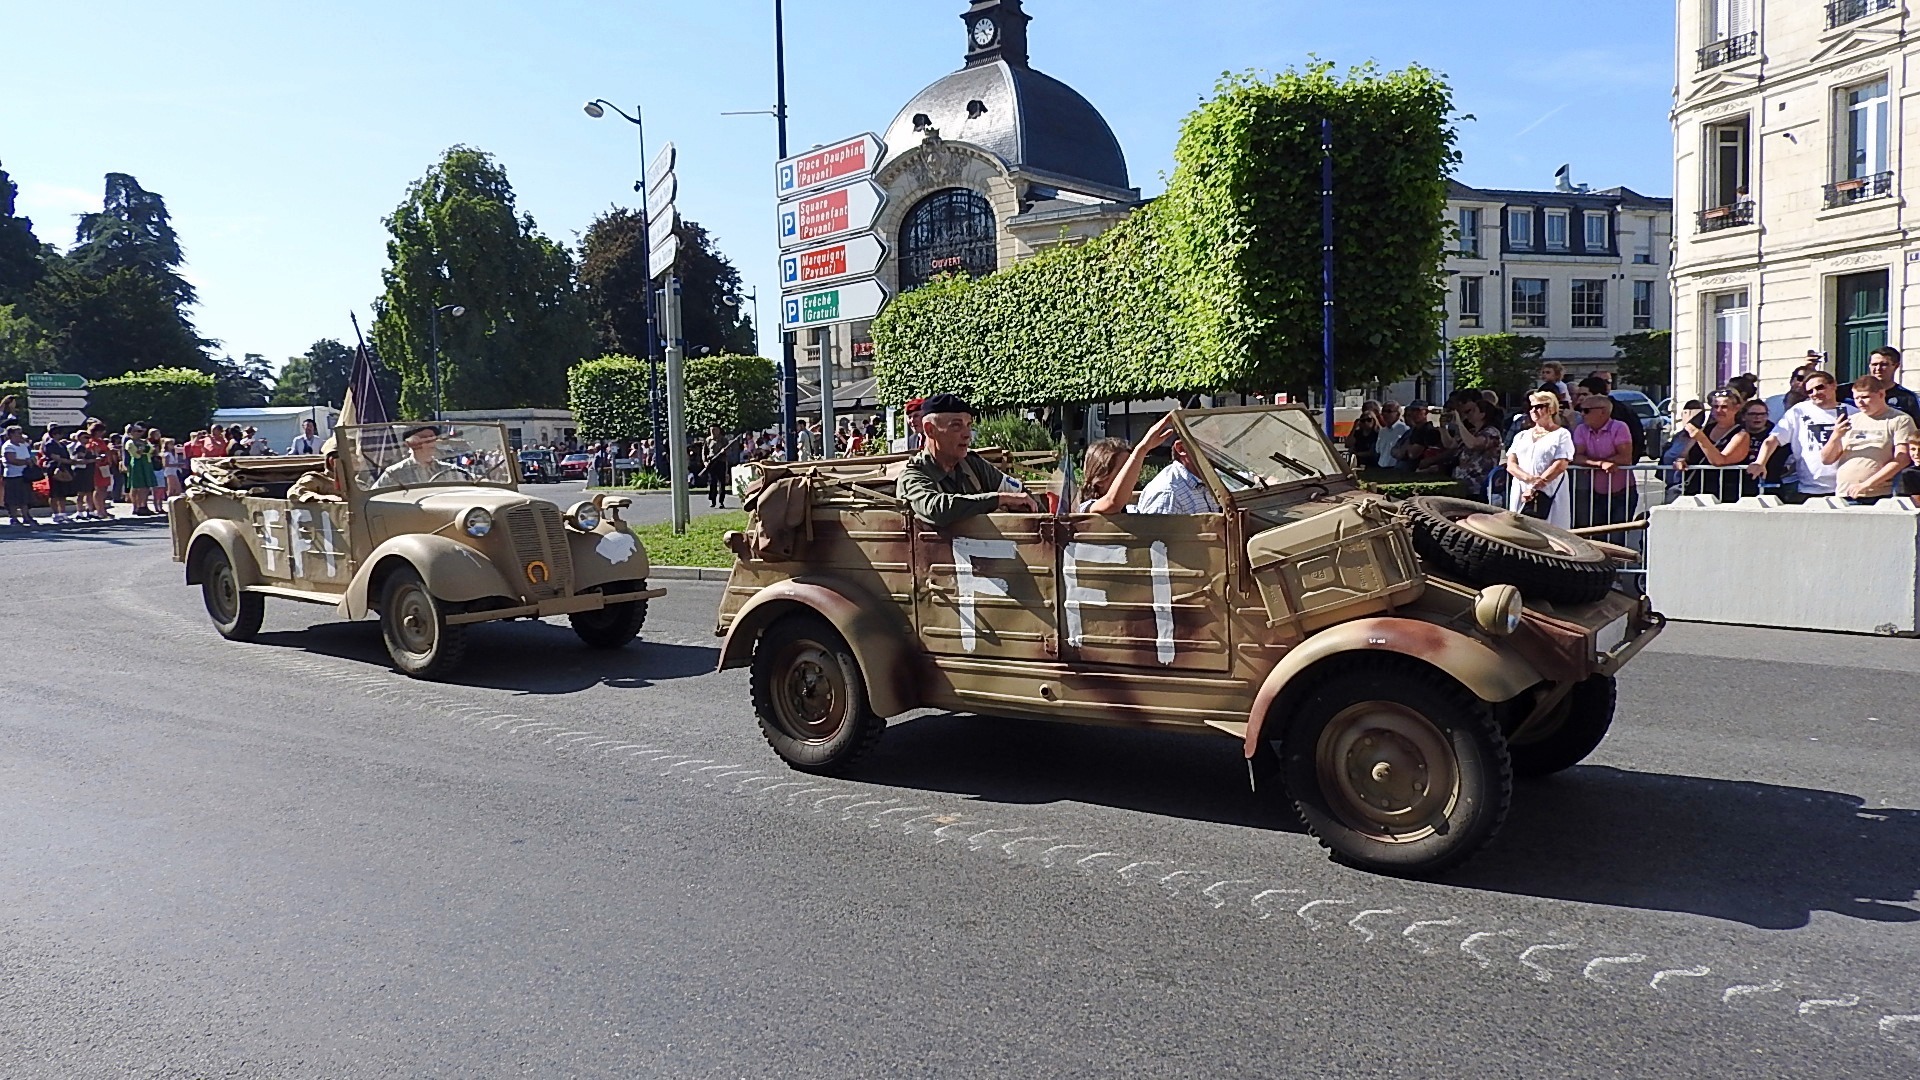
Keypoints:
pixel 809 695
pixel 1386 770
pixel 224 596
pixel 415 624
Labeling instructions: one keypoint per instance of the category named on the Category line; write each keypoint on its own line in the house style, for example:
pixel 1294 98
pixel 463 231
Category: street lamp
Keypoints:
pixel 433 331
pixel 597 108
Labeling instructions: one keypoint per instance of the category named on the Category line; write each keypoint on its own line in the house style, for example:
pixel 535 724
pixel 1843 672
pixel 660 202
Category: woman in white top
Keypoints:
pixel 1538 462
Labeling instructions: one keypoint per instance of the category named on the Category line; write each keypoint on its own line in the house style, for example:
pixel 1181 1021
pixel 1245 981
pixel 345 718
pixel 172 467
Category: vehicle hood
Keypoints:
pixel 449 501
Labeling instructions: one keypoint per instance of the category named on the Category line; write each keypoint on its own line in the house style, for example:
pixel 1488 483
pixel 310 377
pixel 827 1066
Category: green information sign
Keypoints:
pixel 53 380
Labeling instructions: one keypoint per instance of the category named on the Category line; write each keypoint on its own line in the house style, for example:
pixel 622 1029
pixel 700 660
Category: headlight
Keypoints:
pixel 1498 610
pixel 478 522
pixel 584 516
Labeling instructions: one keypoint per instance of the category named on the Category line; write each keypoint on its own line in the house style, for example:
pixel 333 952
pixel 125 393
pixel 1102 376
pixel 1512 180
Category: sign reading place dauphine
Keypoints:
pixel 827 166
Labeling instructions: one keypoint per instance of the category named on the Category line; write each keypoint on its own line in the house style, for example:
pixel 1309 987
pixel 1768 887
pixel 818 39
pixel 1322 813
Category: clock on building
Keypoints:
pixel 996 30
pixel 983 32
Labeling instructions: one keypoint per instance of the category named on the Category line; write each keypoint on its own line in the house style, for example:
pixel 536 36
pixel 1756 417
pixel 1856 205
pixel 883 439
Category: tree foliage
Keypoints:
pixel 175 400
pixel 739 393
pixel 23 345
pixel 1646 360
pixel 613 280
pixel 328 364
pixel 132 231
pixel 1503 362
pixel 710 317
pixel 1217 285
pixel 109 325
pixel 242 384
pixel 608 397
pixel 21 255
pixel 457 239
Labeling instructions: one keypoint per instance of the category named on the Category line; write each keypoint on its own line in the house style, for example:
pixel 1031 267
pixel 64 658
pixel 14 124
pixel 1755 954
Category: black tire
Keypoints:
pixel 414 623
pixel 613 626
pixel 236 615
pixel 1396 769
pixel 1574 729
pixel 1563 568
pixel 810 696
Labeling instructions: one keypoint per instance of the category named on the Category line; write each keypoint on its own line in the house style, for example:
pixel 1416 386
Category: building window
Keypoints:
pixel 1863 171
pixel 1520 229
pixel 1589 297
pixel 1529 303
pixel 1643 305
pixel 1557 221
pixel 1470 302
pixel 1842 12
pixel 1596 230
pixel 1730 34
pixel 1470 233
pixel 1726 199
pixel 948 232
pixel 1731 320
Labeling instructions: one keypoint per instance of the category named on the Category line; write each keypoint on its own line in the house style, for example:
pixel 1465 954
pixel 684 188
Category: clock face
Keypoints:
pixel 983 32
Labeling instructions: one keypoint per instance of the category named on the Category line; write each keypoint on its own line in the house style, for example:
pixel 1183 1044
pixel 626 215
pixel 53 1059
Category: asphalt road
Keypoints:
pixel 649 507
pixel 283 860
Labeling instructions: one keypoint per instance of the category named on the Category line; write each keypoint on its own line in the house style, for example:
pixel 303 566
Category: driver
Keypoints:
pixel 421 466
pixel 1178 489
pixel 947 482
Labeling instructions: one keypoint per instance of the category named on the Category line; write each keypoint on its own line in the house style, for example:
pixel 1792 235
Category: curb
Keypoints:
pixel 688 573
pixel 44 527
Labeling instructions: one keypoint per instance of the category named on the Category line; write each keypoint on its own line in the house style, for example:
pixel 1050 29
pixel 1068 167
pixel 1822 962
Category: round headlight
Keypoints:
pixel 586 517
pixel 478 522
pixel 1498 609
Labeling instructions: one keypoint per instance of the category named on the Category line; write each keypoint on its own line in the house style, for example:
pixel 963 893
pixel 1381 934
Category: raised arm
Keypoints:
pixel 1120 492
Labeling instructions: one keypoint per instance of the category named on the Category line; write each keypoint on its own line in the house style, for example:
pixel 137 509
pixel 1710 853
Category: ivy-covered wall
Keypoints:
pixel 1216 286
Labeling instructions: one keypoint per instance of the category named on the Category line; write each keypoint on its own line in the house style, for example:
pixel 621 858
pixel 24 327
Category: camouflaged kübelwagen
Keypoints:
pixel 1395 663
pixel 431 533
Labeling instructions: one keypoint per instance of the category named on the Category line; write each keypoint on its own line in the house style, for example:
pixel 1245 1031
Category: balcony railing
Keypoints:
pixel 1859 189
pixel 1842 12
pixel 1727 50
pixel 1730 216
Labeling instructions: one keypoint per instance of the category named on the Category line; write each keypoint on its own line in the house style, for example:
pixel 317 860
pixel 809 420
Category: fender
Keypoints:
pixel 877 634
pixel 451 570
pixel 1492 675
pixel 592 566
pixel 233 538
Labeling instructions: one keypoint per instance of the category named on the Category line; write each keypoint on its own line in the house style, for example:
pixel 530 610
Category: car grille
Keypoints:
pixel 538 536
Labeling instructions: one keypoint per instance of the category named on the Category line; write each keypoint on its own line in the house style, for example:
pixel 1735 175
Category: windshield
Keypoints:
pixel 1263 448
pixel 387 456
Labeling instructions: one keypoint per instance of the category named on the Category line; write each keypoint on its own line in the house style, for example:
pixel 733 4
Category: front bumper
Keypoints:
pixel 559 605
pixel 1616 658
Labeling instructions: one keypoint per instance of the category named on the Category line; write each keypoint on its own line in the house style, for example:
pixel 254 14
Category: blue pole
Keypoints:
pixel 1326 264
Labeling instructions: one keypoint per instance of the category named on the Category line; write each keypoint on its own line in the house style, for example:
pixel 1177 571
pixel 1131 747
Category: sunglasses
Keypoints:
pixel 1541 408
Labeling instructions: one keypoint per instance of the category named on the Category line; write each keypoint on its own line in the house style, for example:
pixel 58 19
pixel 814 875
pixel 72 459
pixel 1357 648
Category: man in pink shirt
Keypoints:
pixel 1602 450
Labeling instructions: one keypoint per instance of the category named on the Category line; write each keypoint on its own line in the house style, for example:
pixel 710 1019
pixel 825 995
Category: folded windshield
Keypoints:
pixel 1263 448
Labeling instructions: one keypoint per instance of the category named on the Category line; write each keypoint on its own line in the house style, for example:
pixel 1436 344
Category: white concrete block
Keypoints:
pixel 1848 568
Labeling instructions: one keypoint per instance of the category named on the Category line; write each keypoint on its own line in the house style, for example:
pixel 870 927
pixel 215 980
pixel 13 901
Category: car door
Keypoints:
pixel 1146 590
pixel 985 589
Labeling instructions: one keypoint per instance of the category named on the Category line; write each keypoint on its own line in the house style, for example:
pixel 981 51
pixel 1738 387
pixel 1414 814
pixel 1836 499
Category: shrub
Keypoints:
pixel 608 397
pixel 1012 432
pixel 739 393
pixel 1504 362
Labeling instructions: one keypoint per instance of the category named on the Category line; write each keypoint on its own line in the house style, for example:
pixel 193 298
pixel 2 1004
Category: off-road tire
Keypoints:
pixel 414 624
pixel 1573 730
pixel 1580 576
pixel 1379 805
pixel 799 659
pixel 614 625
pixel 236 615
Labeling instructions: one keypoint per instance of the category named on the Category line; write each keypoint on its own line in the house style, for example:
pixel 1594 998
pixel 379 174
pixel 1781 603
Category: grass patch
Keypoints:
pixel 699 546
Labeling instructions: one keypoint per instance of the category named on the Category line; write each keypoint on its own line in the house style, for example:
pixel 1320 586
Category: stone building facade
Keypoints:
pixel 1789 128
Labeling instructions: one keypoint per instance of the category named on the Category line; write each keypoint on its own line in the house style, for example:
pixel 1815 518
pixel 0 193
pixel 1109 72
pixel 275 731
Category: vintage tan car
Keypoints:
pixel 421 523
pixel 1394 663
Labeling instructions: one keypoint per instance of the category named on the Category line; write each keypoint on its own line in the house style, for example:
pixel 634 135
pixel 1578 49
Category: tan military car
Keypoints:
pixel 421 523
pixel 1396 663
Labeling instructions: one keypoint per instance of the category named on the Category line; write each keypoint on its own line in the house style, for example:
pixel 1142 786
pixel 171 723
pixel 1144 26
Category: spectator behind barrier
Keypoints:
pixel 1480 441
pixel 1870 447
pixel 1603 448
pixel 1538 460
pixel 1804 431
pixel 1719 441
pixel 1602 384
pixel 1757 418
pixel 1885 364
pixel 1392 430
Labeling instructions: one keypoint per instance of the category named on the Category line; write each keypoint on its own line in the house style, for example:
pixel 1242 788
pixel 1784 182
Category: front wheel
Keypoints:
pixel 1395 769
pixel 414 623
pixel 614 625
pixel 236 614
pixel 1566 735
pixel 810 696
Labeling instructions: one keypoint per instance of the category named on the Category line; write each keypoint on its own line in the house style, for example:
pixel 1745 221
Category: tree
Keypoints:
pixel 613 281
pixel 242 384
pixel 1646 360
pixel 132 231
pixel 457 240
pixel 109 325
pixel 608 397
pixel 23 345
pixel 739 393
pixel 1503 362
pixel 328 364
pixel 22 259
pixel 709 296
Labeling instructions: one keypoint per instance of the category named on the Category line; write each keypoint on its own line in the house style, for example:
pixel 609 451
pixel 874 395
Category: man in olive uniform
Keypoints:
pixel 319 485
pixel 421 465
pixel 947 481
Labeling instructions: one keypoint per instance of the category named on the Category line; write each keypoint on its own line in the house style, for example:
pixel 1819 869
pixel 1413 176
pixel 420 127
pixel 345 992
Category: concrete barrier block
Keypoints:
pixel 1810 567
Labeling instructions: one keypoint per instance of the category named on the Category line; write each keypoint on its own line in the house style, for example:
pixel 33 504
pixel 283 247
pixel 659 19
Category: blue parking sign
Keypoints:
pixel 793 311
pixel 790 270
pixel 786 178
pixel 789 223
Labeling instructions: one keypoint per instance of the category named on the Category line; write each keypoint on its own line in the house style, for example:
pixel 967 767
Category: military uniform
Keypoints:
pixel 941 498
pixel 409 473
pixel 315 486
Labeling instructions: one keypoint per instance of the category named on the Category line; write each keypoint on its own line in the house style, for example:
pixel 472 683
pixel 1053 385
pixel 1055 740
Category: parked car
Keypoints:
pixel 1394 664
pixel 575 466
pixel 430 532
pixel 1653 420
pixel 539 467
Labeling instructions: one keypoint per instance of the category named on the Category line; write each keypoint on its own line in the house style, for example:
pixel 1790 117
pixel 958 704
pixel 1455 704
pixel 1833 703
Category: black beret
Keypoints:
pixel 418 428
pixel 946 403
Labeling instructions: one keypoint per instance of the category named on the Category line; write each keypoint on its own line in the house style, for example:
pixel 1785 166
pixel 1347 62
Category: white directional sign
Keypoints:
pixel 828 166
pixel 57 399
pixel 830 215
pixel 662 166
pixel 662 195
pixel 856 256
pixel 660 229
pixel 842 303
pixel 661 258
pixel 63 417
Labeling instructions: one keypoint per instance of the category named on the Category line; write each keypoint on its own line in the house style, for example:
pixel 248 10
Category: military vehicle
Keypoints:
pixel 1394 664
pixel 421 523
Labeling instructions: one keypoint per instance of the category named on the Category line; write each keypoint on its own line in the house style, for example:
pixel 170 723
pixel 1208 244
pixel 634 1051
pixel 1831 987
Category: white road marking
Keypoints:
pixel 978 840
pixel 1679 973
pixel 846 813
pixel 1731 992
pixel 1814 1005
pixel 1311 904
pixel 821 803
pixel 1048 856
pixel 1470 945
pixel 1366 934
pixel 791 799
pixel 1127 871
pixel 1889 1023
pixel 1177 874
pixel 1010 845
pixel 1212 892
pixel 1257 901
pixel 1593 967
pixel 1423 924
pixel 1539 970
pixel 1082 863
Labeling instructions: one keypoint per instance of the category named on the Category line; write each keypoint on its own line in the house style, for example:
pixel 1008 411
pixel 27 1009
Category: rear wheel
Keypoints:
pixel 414 623
pixel 616 624
pixel 1395 769
pixel 1565 736
pixel 811 697
pixel 236 614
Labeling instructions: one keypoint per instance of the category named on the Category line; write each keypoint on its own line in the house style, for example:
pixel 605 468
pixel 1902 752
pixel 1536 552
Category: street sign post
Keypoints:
pixel 856 256
pixel 53 380
pixel 660 229
pixel 827 166
pixel 830 215
pixel 662 166
pixel 57 399
pixel 850 302
pixel 63 417
pixel 662 195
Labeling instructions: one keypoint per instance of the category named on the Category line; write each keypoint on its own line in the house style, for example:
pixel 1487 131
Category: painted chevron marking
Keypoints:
pixel 1539 970
pixel 820 803
pixel 1311 904
pixel 846 812
pixel 1168 882
pixel 716 768
pixel 1731 992
pixel 770 788
pixel 1082 863
pixel 1052 854
pixel 1212 892
pixel 1679 973
pixel 1423 924
pixel 1814 1005
pixel 794 797
pixel 939 834
pixel 1258 900
pixel 1127 871
pixel 1011 844
pixel 1365 933
pixel 1889 1023
pixel 978 840
pixel 896 810
pixel 1592 970
pixel 1470 945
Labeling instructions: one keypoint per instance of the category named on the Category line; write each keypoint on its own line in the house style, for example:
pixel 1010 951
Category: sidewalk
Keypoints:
pixel 120 515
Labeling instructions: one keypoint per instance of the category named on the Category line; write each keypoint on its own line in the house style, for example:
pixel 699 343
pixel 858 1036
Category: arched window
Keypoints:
pixel 948 232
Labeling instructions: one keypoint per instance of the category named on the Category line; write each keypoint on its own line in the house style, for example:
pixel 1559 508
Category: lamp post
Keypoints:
pixel 597 108
pixel 433 331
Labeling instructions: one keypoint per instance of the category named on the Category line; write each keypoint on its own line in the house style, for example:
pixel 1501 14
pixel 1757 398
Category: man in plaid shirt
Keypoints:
pixel 1178 489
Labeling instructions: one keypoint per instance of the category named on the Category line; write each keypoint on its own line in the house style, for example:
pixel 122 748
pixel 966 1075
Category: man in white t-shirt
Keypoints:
pixel 1804 431
pixel 1871 447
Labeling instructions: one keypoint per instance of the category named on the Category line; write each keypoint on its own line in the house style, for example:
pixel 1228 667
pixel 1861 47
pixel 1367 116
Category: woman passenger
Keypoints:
pixel 1111 471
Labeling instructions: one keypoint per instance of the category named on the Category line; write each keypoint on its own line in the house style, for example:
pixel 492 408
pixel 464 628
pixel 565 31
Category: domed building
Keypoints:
pixel 983 168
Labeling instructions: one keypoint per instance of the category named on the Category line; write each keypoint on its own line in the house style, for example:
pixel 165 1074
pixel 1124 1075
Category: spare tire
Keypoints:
pixel 1486 545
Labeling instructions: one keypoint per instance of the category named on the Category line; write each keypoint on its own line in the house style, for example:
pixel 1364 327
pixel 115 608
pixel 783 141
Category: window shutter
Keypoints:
pixel 1739 17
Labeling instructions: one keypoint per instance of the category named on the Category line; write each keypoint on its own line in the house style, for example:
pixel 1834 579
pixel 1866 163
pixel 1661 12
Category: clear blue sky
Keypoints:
pixel 280 134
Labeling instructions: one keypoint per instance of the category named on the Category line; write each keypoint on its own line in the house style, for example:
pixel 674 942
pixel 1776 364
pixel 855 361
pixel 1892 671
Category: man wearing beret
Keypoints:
pixel 421 466
pixel 947 481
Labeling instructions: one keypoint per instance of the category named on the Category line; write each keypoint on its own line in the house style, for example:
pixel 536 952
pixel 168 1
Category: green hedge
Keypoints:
pixel 608 397
pixel 175 400
pixel 1509 363
pixel 1216 285
pixel 739 393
